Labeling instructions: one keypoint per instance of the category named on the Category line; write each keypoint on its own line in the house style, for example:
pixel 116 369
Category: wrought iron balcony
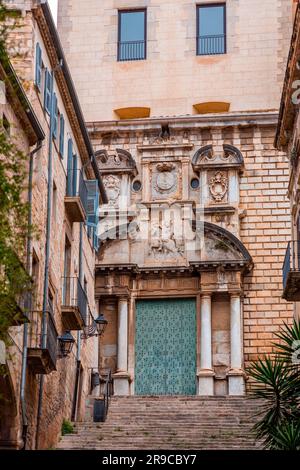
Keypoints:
pixel 291 272
pixel 76 198
pixel 131 50
pixel 211 45
pixel 42 342
pixel 74 304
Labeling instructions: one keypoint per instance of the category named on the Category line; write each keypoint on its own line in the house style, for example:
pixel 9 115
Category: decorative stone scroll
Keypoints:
pixel 112 186
pixel 218 186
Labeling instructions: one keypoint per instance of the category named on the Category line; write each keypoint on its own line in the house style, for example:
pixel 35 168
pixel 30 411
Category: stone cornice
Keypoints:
pixel 246 119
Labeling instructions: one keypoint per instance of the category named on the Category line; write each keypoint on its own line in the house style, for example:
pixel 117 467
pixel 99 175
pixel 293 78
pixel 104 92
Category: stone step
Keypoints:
pixel 169 423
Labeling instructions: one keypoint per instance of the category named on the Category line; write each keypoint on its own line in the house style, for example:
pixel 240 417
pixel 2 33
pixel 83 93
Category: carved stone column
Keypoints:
pixel 121 378
pixel 236 375
pixel 206 373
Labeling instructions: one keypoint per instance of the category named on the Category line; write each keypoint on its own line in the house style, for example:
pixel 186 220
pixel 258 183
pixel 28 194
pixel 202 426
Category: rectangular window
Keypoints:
pixel 132 35
pixel 211 29
pixel 61 135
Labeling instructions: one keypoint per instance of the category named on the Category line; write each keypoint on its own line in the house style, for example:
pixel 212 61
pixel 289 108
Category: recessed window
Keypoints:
pixel 195 183
pixel 136 186
pixel 211 29
pixel 132 35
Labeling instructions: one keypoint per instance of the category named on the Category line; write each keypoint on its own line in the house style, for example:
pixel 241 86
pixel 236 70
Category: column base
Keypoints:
pixel 121 383
pixel 236 382
pixel 206 382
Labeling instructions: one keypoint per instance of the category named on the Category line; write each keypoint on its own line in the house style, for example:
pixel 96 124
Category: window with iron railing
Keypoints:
pixel 132 35
pixel 211 29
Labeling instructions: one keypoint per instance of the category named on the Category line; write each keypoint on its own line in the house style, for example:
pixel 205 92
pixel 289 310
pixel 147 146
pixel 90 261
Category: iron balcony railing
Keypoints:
pixel 76 186
pixel 73 295
pixel 211 45
pixel 131 50
pixel 291 261
pixel 39 339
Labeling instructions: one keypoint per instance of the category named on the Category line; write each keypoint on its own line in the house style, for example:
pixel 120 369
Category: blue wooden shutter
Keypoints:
pixel 38 66
pixel 69 167
pixel 61 135
pixel 92 211
pixel 55 116
pixel 47 91
pixel 75 175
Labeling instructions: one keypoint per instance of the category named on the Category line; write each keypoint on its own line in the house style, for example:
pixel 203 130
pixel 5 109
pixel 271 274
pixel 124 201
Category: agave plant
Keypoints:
pixel 277 384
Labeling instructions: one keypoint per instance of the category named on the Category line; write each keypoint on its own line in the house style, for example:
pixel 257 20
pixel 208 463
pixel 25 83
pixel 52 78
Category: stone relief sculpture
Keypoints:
pixel 218 186
pixel 164 179
pixel 112 185
pixel 163 242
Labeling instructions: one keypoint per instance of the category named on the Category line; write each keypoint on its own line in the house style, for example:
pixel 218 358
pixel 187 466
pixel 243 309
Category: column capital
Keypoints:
pixel 236 294
pixel 205 295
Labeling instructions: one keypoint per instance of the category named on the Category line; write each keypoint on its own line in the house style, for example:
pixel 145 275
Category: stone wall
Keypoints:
pixel 174 78
pixel 260 219
pixel 58 387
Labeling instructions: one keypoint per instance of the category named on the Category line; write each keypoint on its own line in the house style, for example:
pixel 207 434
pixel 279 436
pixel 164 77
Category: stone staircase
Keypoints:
pixel 170 423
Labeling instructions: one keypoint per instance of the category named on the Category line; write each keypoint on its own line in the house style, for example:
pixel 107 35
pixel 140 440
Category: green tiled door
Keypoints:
pixel 165 347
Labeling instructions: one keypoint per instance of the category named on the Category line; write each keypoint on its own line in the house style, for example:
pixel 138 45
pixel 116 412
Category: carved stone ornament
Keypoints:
pixel 163 243
pixel 112 186
pixel 218 186
pixel 166 177
pixel 208 157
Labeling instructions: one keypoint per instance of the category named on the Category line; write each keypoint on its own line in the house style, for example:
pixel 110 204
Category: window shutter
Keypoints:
pixel 95 239
pixel 47 93
pixel 92 211
pixel 69 167
pixel 38 66
pixel 55 116
pixel 61 135
pixel 74 172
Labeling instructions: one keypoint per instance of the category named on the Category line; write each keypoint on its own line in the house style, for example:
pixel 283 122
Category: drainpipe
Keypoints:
pixel 46 272
pixel 29 271
pixel 78 361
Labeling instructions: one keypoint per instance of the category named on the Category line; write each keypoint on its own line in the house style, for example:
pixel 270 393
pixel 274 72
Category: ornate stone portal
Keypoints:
pixel 173 242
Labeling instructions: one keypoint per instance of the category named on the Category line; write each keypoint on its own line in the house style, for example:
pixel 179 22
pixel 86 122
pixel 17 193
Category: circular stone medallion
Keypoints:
pixel 165 181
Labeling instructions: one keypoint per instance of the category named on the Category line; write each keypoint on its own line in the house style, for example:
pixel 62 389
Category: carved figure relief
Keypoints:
pixel 112 185
pixel 218 186
pixel 163 242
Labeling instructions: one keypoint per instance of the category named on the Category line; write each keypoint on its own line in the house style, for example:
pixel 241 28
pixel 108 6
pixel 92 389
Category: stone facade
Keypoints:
pixel 245 199
pixel 287 139
pixel 70 274
pixel 249 76
pixel 220 168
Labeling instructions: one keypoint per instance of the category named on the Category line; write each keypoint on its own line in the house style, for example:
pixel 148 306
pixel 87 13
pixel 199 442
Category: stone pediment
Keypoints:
pixel 207 157
pixel 214 247
pixel 117 161
pixel 222 247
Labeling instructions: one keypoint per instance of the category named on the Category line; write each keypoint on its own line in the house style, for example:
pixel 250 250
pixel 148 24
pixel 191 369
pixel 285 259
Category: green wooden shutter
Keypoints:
pixel 38 66
pixel 61 135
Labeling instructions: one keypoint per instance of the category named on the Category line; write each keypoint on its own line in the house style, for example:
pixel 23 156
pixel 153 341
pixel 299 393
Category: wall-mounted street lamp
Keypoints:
pixel 97 328
pixel 66 343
